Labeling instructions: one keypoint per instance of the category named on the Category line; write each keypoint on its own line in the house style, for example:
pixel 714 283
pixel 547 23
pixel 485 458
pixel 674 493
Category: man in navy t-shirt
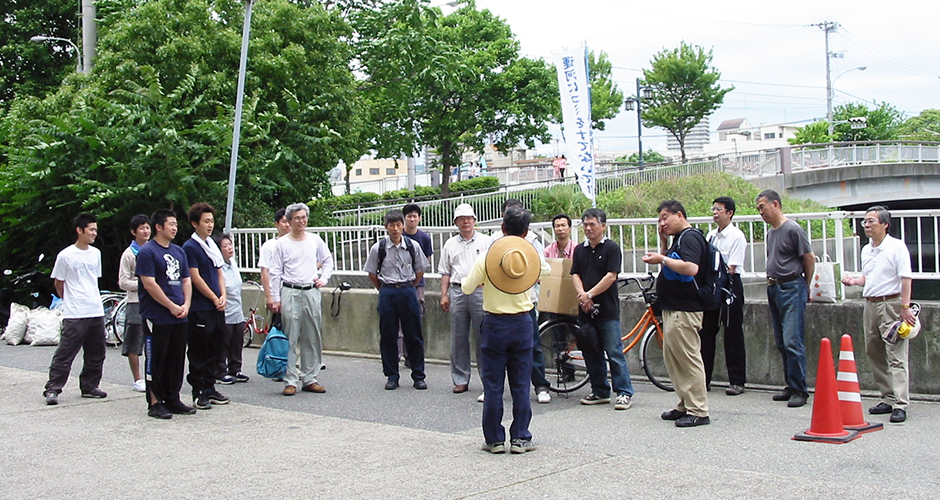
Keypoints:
pixel 165 291
pixel 207 319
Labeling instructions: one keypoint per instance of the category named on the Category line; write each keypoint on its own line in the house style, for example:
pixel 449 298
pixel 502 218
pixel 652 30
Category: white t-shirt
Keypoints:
pixel 267 253
pixel 80 270
pixel 884 266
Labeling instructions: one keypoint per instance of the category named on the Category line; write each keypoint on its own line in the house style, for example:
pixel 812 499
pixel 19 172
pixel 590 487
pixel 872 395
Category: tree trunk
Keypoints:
pixel 445 168
pixel 348 186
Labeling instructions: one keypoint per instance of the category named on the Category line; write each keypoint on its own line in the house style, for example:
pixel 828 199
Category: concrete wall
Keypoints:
pixel 355 330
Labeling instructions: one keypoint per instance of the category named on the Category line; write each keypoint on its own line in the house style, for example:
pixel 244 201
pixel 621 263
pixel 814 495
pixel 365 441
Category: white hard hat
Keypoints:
pixel 898 330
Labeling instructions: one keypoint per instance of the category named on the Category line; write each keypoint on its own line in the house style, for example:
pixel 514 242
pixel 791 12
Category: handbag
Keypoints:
pixel 827 279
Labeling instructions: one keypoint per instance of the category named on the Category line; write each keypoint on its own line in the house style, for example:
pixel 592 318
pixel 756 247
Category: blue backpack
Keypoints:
pixel 272 357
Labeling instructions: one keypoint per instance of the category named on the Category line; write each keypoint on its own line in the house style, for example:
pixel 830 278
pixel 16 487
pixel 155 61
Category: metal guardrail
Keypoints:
pixel 837 236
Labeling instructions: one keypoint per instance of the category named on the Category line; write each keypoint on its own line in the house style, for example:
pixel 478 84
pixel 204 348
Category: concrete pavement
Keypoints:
pixel 359 441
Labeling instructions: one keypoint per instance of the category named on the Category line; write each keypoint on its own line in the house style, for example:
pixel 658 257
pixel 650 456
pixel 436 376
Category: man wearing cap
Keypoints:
pixel 508 270
pixel 886 276
pixel 466 310
pixel 395 271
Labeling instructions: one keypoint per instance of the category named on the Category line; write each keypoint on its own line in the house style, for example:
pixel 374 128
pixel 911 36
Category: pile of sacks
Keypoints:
pixel 40 326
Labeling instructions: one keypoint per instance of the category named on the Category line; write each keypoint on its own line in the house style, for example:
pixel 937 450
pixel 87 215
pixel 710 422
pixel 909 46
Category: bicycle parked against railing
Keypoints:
pixel 564 363
pixel 255 323
pixel 115 305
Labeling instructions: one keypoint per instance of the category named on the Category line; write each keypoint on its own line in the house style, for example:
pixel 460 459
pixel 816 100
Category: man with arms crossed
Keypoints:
pixel 76 272
pixel 730 241
pixel 466 310
pixel 133 345
pixel 886 276
pixel 301 264
pixel 165 293
pixel 682 312
pixel 207 317
pixel 594 272
pixel 790 267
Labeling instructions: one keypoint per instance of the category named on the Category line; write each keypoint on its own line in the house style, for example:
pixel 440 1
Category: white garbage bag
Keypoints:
pixel 45 326
pixel 16 327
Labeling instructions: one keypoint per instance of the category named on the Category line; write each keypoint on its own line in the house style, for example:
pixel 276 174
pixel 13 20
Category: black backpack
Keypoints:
pixel 409 244
pixel 712 281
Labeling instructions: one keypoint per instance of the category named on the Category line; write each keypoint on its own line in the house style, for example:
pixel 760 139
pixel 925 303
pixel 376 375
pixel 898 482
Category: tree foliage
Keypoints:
pixel 685 90
pixel 883 123
pixel 453 83
pixel 649 157
pixel 151 126
pixel 923 127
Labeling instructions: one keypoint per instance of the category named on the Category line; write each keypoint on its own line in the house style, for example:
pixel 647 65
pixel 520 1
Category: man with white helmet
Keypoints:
pixel 466 310
pixel 886 276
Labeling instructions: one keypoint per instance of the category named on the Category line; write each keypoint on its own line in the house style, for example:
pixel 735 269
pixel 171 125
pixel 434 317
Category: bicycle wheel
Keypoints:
pixel 564 364
pixel 249 332
pixel 114 308
pixel 653 360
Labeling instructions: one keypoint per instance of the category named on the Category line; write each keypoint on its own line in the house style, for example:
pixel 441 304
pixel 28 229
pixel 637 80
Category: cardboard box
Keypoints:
pixel 557 294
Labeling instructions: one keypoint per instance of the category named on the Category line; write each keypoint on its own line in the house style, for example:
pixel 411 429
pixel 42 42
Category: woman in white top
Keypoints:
pixel 231 364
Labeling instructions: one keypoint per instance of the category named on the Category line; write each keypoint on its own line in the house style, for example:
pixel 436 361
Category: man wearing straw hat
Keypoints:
pixel 886 276
pixel 507 271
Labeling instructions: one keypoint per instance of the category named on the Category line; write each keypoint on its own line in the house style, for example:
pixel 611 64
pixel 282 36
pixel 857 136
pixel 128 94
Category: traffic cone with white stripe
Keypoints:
pixel 826 426
pixel 850 397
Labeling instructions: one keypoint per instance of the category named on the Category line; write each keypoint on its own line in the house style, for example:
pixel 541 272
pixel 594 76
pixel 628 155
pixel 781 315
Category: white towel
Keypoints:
pixel 212 250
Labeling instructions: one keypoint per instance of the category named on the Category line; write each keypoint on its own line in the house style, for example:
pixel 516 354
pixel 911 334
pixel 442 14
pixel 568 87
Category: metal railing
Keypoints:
pixel 838 155
pixel 837 236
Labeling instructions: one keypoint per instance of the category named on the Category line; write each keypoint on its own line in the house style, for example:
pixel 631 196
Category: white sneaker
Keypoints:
pixel 140 386
pixel 544 397
pixel 480 397
pixel 623 402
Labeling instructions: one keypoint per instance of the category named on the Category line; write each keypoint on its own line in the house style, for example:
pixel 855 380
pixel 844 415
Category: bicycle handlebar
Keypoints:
pixel 645 283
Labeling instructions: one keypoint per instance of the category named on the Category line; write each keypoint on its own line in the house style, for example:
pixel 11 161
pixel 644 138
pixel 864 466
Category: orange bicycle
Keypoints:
pixel 564 363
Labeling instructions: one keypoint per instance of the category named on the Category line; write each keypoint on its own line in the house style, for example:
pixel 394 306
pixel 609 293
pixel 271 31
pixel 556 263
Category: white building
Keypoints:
pixel 695 141
pixel 739 136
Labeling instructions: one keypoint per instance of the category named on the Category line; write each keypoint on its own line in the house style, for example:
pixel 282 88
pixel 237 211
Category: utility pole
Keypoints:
pixel 89 35
pixel 828 27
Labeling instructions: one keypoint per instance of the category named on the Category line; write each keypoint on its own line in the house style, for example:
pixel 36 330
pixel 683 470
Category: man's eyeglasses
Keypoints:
pixel 715 210
pixel 868 222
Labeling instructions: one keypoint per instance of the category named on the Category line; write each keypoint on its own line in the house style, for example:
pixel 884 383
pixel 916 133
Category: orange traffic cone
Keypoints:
pixel 850 397
pixel 826 426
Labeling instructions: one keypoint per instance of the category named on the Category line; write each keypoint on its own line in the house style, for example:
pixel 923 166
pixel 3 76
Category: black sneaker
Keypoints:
pixel 898 415
pixel 692 421
pixel 672 415
pixel 217 398
pixel 797 400
pixel 52 397
pixel 178 408
pixel 202 402
pixel 241 377
pixel 159 411
pixel 783 395
pixel 95 393
pixel 226 380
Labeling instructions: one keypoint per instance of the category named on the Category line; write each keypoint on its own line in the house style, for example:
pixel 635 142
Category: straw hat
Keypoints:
pixel 512 264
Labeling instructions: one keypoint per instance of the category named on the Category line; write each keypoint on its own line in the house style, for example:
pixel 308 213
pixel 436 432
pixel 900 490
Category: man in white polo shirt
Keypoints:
pixel 886 276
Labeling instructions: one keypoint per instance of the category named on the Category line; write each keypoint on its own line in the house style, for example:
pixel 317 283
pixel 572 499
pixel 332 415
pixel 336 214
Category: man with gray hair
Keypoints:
pixel 886 276
pixel 301 264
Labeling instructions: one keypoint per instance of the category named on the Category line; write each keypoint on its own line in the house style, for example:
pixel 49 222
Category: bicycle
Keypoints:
pixel 564 363
pixel 255 323
pixel 115 307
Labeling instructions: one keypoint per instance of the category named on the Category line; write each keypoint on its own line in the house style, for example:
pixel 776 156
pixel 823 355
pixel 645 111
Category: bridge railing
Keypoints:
pixel 836 155
pixel 837 236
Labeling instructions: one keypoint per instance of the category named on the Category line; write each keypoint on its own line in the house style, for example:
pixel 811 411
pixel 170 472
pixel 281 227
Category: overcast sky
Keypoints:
pixel 768 51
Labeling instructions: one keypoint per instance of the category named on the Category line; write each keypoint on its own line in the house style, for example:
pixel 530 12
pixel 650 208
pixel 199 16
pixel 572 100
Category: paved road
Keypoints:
pixel 359 441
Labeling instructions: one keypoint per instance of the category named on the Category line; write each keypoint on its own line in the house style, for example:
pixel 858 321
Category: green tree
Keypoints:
pixel 649 157
pixel 923 127
pixel 685 90
pixel 452 83
pixel 884 123
pixel 151 126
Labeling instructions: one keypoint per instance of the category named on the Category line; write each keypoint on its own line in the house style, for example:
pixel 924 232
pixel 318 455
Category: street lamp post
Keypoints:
pixel 646 93
pixel 829 95
pixel 78 52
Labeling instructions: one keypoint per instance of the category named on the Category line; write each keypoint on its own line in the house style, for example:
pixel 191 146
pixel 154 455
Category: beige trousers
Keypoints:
pixel 682 348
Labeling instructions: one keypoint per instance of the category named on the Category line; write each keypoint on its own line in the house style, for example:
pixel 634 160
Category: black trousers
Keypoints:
pixel 230 361
pixel 165 351
pixel 712 322
pixel 85 334
pixel 206 331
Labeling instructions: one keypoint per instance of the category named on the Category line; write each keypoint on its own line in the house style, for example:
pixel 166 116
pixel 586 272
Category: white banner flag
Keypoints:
pixel 576 114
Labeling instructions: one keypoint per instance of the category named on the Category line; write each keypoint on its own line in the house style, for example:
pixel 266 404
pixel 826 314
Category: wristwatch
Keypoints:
pixel 905 306
pixel 590 295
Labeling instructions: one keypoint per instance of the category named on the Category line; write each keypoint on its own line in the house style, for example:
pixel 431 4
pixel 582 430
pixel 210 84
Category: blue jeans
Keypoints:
pixel 609 332
pixel 538 361
pixel 787 307
pixel 506 347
